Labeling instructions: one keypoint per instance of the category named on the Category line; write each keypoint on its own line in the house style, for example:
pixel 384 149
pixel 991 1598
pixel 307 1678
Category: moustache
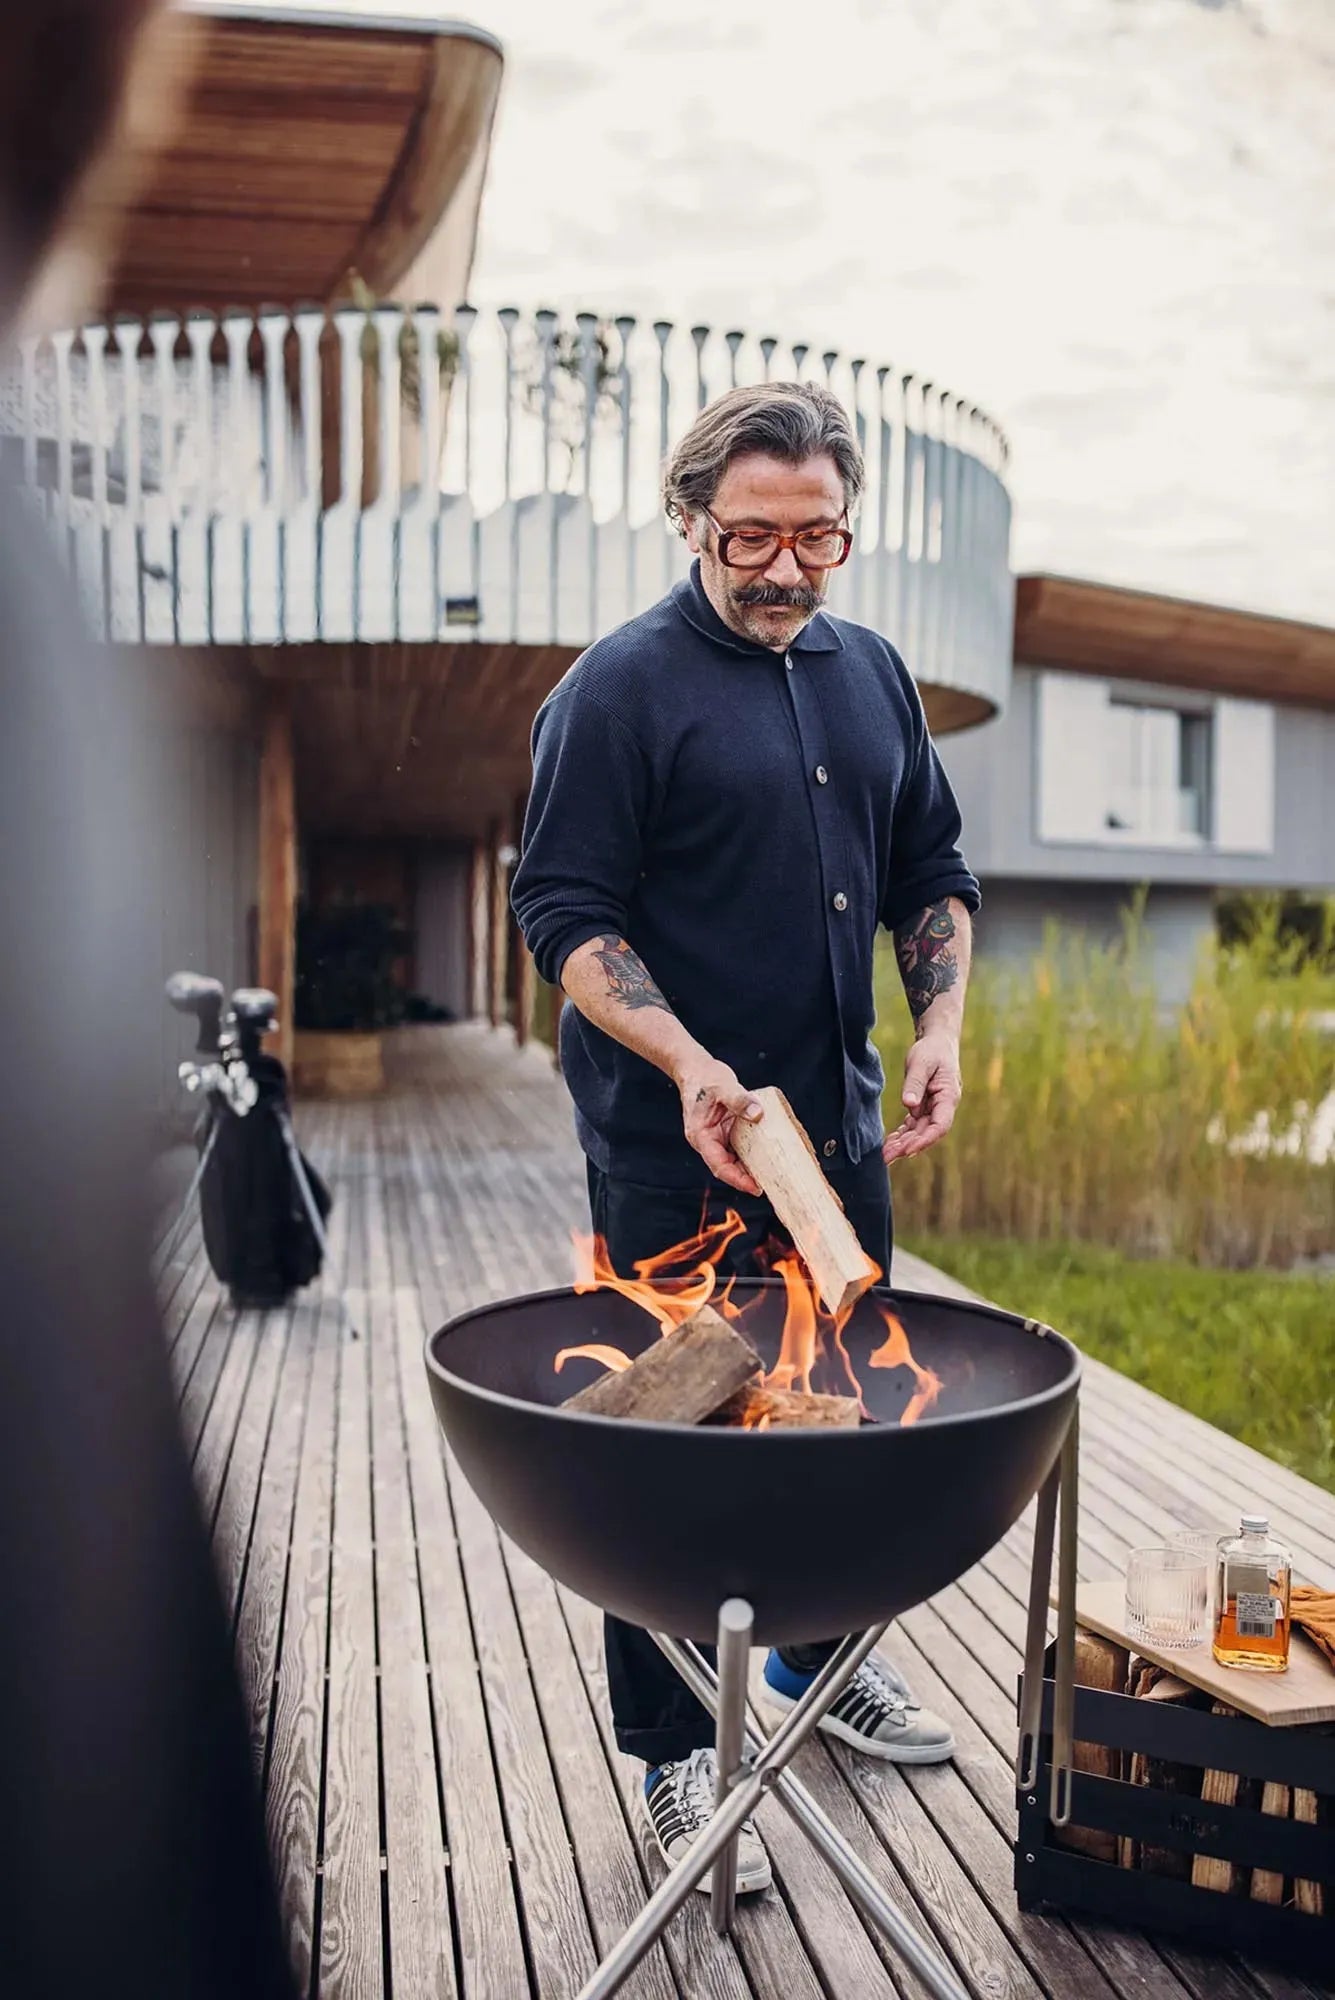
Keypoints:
pixel 796 596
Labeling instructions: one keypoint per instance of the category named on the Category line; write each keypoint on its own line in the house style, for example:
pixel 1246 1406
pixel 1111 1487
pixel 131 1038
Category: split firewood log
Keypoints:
pixel 1310 1897
pixel 679 1379
pixel 1267 1886
pixel 1218 1788
pixel 1099 1663
pixel 778 1153
pixel 1150 1683
pixel 753 1407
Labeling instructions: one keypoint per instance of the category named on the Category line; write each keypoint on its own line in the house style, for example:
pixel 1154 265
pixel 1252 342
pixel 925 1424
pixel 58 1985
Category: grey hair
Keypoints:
pixel 792 421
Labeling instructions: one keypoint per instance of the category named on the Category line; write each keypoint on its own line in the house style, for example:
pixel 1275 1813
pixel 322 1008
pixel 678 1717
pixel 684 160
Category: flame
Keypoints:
pixel 894 1352
pixel 679 1280
pixel 672 1285
pixel 606 1357
pixel 797 1351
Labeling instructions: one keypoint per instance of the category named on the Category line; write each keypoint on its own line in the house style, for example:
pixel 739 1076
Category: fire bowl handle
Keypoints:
pixel 1063 1703
pixel 1036 1637
pixel 1063 1480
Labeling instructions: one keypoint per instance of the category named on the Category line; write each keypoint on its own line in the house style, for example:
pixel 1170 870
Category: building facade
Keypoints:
pixel 1150 746
pixel 354 531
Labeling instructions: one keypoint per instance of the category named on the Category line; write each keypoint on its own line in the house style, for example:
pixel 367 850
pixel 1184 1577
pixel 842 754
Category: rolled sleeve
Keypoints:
pixel 584 829
pixel 926 860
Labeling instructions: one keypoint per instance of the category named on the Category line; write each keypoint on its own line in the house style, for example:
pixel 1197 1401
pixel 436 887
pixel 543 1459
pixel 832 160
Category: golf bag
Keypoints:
pixel 262 1205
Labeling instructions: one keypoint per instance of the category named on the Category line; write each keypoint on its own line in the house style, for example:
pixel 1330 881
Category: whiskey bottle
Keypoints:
pixel 1252 1601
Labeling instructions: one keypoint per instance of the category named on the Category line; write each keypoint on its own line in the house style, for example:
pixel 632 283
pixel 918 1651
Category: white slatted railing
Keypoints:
pixel 399 473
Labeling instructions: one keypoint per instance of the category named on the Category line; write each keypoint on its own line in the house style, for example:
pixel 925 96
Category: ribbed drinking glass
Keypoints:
pixel 1167 1597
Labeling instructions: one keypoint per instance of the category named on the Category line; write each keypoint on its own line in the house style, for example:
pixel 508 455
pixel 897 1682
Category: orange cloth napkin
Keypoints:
pixel 1314 1610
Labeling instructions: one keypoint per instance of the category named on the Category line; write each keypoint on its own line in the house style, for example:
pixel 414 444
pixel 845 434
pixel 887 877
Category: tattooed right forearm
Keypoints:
pixel 628 977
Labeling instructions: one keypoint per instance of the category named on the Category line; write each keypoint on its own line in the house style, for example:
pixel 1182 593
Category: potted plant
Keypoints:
pixel 347 994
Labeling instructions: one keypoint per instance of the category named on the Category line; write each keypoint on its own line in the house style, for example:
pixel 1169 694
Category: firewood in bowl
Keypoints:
pixel 678 1379
pixel 754 1407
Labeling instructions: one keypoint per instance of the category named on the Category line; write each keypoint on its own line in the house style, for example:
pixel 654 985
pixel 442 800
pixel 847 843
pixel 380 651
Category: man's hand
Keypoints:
pixel 711 1102
pixel 931 1092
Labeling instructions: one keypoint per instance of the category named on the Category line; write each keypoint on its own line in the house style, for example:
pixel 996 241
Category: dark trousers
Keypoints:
pixel 656 1716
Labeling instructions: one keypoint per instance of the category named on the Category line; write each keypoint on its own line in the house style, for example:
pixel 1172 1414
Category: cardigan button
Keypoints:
pixel 830 1148
pixel 840 900
pixel 822 775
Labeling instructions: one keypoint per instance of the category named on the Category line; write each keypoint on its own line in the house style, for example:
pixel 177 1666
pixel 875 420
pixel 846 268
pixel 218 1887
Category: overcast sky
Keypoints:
pixel 1112 222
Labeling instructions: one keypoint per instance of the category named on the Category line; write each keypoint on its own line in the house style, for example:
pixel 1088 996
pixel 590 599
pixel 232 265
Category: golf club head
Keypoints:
pixel 254 1007
pixel 191 993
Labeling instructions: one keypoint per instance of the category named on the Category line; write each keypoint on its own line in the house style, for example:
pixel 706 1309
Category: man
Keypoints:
pixel 730 794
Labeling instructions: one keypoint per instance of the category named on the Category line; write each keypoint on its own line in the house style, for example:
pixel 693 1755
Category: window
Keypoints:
pixel 1133 766
pixel 1158 766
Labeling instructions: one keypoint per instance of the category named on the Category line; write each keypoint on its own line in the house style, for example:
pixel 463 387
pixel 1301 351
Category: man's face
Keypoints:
pixel 770 605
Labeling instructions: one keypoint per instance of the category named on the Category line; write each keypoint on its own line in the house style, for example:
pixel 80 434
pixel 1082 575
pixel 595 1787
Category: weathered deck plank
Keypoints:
pixel 446 1804
pixel 350 1941
pixel 294 1737
pixel 421 1950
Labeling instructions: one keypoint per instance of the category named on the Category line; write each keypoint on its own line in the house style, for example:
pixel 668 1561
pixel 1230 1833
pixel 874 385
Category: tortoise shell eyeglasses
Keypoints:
pixel 756 548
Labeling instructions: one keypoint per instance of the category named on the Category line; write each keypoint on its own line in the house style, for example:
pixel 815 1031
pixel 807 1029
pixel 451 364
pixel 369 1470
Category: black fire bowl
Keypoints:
pixel 822 1531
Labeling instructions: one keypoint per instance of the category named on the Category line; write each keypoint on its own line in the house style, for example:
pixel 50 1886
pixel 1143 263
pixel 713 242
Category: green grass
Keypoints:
pixel 1252 1352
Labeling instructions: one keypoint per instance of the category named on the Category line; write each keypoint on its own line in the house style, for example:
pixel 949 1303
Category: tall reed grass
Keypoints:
pixel 1093 1114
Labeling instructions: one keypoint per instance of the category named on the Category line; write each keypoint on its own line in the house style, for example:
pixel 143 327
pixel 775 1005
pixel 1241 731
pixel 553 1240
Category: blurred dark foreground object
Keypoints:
pixel 132 1857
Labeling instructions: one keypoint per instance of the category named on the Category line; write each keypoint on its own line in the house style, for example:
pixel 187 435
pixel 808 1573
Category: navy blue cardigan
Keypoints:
pixel 745 819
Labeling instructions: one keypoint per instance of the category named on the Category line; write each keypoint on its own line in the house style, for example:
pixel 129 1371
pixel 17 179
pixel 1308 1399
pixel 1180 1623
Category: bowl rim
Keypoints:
pixel 1070 1381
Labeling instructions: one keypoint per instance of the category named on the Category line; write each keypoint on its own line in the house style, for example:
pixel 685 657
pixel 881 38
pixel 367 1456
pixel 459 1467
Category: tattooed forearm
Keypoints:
pixel 628 979
pixel 928 960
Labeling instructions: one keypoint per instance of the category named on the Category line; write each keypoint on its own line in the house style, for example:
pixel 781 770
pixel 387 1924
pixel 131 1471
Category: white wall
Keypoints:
pixel 1274 777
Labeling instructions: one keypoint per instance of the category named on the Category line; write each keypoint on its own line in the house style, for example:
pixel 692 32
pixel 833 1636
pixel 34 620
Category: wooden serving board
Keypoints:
pixel 1305 1694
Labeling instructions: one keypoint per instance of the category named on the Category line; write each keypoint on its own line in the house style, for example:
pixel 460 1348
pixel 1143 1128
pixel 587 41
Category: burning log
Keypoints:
pixel 754 1407
pixel 778 1153
pixel 679 1379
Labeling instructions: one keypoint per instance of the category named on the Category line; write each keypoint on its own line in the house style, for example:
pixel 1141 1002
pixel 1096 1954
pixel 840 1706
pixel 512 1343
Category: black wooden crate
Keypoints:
pixel 1061 1878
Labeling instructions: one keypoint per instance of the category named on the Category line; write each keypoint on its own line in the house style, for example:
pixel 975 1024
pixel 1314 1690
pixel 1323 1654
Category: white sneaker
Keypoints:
pixel 679 1804
pixel 876 1713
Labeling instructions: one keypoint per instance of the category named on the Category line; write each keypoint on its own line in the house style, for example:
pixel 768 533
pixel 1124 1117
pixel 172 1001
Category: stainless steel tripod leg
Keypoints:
pixel 735 1623
pixel 932 1970
pixel 742 1800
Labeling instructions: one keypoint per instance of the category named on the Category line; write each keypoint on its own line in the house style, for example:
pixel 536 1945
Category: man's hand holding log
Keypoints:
pixel 613 988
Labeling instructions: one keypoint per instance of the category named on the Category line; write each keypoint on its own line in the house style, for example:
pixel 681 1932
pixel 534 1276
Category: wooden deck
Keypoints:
pixel 447 1809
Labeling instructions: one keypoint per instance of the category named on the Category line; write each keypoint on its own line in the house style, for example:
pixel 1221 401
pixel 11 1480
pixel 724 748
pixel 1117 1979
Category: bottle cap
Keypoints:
pixel 1255 1524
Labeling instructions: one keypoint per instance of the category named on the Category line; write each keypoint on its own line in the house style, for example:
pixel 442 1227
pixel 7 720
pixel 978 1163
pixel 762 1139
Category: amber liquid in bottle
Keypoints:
pixel 1239 1644
pixel 1252 1623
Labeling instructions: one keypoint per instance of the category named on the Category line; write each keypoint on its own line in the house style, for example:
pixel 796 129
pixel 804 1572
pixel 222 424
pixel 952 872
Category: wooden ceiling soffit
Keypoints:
pixel 303 151
pixel 1135 635
pixel 452 127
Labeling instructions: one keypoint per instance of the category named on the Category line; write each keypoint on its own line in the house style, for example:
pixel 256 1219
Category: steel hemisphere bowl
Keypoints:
pixel 823 1531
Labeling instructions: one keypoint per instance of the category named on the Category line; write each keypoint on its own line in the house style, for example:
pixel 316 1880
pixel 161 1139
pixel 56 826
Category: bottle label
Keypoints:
pixel 1256 1615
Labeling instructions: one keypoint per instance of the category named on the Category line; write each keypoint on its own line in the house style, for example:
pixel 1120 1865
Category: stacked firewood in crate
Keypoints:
pixel 1102 1664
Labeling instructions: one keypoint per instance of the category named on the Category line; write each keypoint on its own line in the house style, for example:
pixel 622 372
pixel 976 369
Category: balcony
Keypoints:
pixel 375 473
